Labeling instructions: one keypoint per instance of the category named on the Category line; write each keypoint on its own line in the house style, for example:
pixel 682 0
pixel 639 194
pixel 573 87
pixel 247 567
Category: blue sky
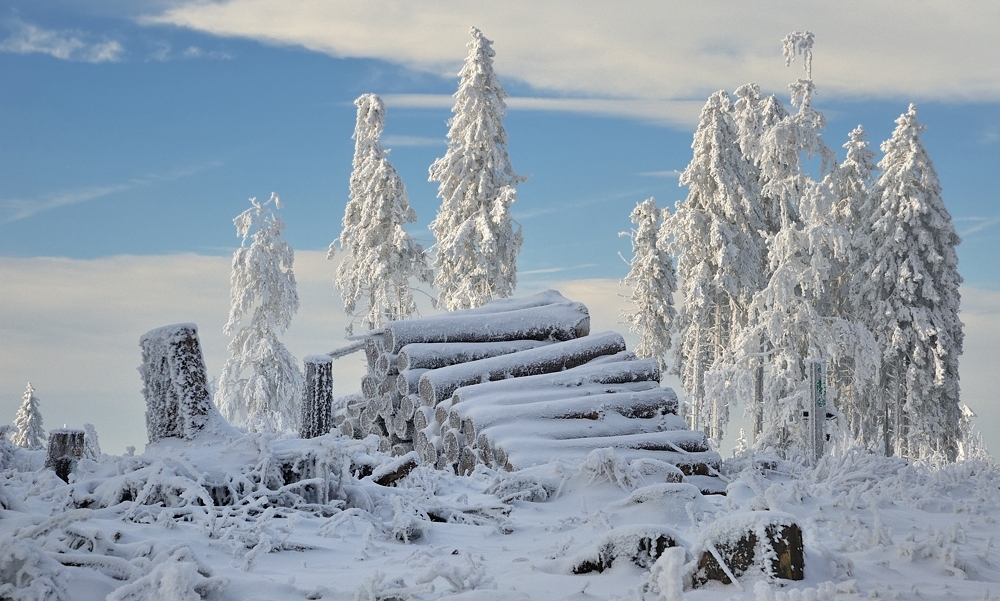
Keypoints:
pixel 141 128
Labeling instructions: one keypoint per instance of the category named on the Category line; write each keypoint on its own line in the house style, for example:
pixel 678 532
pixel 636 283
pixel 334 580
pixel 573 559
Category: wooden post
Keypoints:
pixel 317 398
pixel 175 384
pixel 65 450
pixel 817 406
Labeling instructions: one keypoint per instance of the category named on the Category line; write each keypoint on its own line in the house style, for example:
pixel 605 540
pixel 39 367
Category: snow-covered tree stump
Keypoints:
pixel 175 385
pixel 65 450
pixel 767 540
pixel 317 400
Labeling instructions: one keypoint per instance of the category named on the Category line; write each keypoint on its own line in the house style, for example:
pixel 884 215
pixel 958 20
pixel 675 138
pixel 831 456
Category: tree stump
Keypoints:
pixel 317 397
pixel 175 385
pixel 773 545
pixel 65 450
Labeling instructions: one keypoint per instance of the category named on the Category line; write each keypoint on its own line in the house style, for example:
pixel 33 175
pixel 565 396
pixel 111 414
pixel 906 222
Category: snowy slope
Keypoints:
pixel 873 527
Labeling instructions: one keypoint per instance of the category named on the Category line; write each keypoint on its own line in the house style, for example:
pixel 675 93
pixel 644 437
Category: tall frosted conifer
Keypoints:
pixel 263 287
pixel 381 256
pixel 476 239
pixel 715 234
pixel 28 422
pixel 909 287
pixel 653 281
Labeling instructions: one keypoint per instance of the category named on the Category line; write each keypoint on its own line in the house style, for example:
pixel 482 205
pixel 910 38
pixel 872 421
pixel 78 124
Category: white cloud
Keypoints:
pixel 15 209
pixel 645 50
pixel 66 45
pixel 72 328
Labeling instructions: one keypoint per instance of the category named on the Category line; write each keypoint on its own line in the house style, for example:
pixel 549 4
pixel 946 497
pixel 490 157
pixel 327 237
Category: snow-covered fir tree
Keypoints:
pixel 852 183
pixel 791 322
pixel 652 280
pixel 715 234
pixel 381 257
pixel 477 241
pixel 28 422
pixel 268 398
pixel 909 292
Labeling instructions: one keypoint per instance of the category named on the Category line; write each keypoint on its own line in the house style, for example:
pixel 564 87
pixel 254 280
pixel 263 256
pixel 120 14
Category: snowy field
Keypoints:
pixel 153 526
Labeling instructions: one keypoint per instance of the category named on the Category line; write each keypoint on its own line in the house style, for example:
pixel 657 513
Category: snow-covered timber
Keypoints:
pixel 563 321
pixel 317 398
pixel 573 429
pixel 386 366
pixel 436 355
pixel 524 455
pixel 632 405
pixel 676 441
pixel 396 469
pixel 175 385
pixel 439 384
pixel 643 370
pixel 408 380
pixel 65 450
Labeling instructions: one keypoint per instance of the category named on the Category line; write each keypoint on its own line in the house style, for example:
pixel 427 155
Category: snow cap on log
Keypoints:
pixel 434 355
pixel 439 384
pixel 562 321
pixel 178 403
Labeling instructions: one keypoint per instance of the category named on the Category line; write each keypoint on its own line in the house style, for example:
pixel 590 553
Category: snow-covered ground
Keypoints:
pixel 143 527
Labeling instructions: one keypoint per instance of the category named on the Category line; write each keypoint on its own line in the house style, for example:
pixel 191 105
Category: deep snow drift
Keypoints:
pixel 215 518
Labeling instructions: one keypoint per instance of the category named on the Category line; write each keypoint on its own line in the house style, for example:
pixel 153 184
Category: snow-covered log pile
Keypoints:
pixel 515 383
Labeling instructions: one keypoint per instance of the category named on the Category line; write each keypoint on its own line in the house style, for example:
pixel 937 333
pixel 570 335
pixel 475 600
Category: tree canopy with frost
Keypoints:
pixel 652 280
pixel 28 422
pixel 715 234
pixel 263 288
pixel 477 242
pixel 792 321
pixel 908 290
pixel 381 257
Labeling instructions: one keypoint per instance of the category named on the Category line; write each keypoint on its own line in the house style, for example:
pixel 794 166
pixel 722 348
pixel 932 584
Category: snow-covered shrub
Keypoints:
pixel 28 574
pixel 604 464
pixel 468 577
pixel 515 486
pixel 91 445
pixel 175 576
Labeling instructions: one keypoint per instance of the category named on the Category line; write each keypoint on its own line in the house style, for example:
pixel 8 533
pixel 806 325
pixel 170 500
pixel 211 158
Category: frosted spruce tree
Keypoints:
pixel 261 385
pixel 715 235
pixel 381 256
pixel 852 182
pixel 909 292
pixel 792 321
pixel 652 281
pixel 28 422
pixel 476 239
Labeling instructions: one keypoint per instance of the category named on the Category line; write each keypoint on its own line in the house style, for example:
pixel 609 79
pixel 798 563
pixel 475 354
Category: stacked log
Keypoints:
pixel 399 355
pixel 515 383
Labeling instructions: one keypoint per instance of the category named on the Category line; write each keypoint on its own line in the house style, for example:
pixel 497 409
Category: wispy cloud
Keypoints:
pixel 645 50
pixel 164 52
pixel 668 173
pixel 68 45
pixel 978 224
pixel 396 141
pixel 556 269
pixel 670 112
pixel 15 209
